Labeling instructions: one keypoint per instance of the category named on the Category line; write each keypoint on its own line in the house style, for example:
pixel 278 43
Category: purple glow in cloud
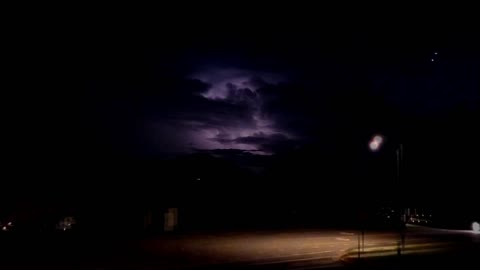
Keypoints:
pixel 236 86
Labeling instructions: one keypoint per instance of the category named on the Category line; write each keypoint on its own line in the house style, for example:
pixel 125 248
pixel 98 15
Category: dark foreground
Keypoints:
pixel 279 249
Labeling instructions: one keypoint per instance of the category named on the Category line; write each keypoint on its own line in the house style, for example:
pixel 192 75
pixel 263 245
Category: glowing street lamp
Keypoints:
pixel 376 143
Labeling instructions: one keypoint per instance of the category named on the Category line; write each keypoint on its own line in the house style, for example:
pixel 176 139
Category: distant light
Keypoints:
pixel 476 227
pixel 435 53
pixel 4 228
pixel 375 143
pixel 433 60
pixel 9 223
pixel 198 179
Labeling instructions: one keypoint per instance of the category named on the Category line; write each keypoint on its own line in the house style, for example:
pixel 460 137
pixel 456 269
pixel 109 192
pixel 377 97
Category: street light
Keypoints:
pixel 374 145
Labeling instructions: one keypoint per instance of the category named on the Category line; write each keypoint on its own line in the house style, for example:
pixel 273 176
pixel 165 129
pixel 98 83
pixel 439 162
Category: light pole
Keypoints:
pixel 375 145
pixel 399 155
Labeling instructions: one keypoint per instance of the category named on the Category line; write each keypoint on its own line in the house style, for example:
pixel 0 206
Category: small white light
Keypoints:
pixel 375 143
pixel 476 227
pixel 433 60
pixel 9 223
pixel 4 228
pixel 435 53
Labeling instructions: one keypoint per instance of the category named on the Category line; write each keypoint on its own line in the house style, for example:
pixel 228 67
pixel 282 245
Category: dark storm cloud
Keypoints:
pixel 183 101
pixel 211 113
pixel 177 114
pixel 261 138
pixel 269 143
pixel 301 108
pixel 242 158
pixel 241 95
pixel 181 122
pixel 272 143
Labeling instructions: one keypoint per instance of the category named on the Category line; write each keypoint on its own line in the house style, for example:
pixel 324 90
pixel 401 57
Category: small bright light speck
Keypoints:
pixel 476 227
pixel 433 60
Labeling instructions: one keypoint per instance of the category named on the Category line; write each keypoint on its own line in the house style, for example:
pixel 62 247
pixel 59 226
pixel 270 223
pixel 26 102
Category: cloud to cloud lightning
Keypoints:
pixel 257 133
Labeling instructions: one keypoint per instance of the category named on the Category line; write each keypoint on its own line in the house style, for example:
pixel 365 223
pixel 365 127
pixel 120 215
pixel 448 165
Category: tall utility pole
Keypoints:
pixel 375 144
pixel 401 209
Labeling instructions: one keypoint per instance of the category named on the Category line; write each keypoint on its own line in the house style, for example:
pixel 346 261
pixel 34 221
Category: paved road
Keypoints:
pixel 288 249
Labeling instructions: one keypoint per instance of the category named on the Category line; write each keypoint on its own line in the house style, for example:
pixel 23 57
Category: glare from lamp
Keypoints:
pixel 375 143
pixel 476 227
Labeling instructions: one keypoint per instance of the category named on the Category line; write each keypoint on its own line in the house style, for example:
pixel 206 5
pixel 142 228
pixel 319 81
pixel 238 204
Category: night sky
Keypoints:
pixel 264 101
